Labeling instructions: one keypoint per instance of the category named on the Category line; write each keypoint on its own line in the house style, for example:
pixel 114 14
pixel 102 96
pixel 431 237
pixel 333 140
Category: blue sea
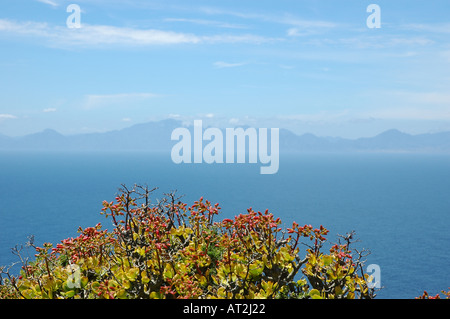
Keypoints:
pixel 398 204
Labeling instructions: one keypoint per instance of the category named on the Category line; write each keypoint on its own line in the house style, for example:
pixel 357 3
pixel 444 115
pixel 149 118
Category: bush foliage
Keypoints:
pixel 170 250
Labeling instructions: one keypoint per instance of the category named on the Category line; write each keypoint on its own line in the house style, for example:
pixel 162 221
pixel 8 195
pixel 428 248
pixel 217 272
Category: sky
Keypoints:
pixel 306 65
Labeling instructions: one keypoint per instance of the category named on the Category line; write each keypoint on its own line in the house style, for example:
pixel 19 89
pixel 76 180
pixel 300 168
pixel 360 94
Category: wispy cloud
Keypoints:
pixel 239 38
pixel 9 27
pixel 373 42
pixel 101 35
pixel 323 116
pixel 412 113
pixel 285 19
pixel 305 23
pixel 49 2
pixel 7 117
pixel 212 23
pixel 429 27
pixel 111 35
pixel 295 32
pixel 91 35
pixel 221 64
pixel 219 11
pixel 49 110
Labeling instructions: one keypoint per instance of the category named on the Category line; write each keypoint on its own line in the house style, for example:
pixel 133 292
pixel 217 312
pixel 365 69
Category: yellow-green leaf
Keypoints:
pixel 168 271
pixel 132 273
pixel 327 260
pixel 315 294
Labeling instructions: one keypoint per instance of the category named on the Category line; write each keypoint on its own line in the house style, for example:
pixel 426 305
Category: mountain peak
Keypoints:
pixel 49 131
pixel 46 134
pixel 157 136
pixel 392 132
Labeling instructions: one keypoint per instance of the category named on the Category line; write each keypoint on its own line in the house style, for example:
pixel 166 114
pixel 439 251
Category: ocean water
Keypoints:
pixel 398 204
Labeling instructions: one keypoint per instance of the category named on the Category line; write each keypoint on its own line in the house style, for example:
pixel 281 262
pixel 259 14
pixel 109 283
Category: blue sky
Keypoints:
pixel 309 66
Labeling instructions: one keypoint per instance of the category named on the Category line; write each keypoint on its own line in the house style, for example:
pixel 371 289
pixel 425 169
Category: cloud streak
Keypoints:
pixel 100 35
pixel 221 64
pixel 211 23
pixel 437 28
pixel 287 19
pixel 49 2
pixel 7 117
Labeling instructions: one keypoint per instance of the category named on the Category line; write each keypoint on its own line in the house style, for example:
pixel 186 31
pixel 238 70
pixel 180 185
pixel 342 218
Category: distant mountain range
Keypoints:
pixel 155 136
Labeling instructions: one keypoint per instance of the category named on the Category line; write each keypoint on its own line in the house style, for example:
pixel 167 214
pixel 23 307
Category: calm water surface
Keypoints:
pixel 398 204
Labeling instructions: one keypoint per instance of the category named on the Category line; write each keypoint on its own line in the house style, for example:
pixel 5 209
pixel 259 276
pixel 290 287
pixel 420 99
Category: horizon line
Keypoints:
pixel 231 126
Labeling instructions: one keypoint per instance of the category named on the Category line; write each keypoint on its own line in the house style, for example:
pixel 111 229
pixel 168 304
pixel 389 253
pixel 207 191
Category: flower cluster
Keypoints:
pixel 170 250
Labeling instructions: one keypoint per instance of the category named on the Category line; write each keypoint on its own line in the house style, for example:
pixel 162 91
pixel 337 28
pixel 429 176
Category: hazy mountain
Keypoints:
pixel 148 136
pixel 4 138
pixel 394 140
pixel 155 136
pixel 46 139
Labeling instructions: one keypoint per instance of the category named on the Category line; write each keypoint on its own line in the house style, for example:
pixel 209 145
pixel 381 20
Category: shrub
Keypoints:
pixel 170 250
pixel 425 295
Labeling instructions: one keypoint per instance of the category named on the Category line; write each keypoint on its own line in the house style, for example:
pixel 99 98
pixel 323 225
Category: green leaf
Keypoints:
pixel 95 286
pixel 168 271
pixel 315 294
pixel 327 260
pixel 132 273
pixel 84 281
pixel 69 294
pixel 126 284
pixel 286 256
pixel 144 277
pixel 121 294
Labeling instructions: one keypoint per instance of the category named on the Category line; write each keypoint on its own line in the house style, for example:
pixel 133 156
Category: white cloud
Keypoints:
pixel 430 107
pixel 430 27
pixel 7 117
pixel 212 23
pixel 315 24
pixel 286 19
pixel 48 110
pixel 216 11
pixel 375 42
pixel 221 64
pixel 412 113
pixel 49 2
pixel 323 116
pixel 24 28
pixel 95 34
pixel 293 32
pixel 101 35
pixel 241 38
pixel 302 32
